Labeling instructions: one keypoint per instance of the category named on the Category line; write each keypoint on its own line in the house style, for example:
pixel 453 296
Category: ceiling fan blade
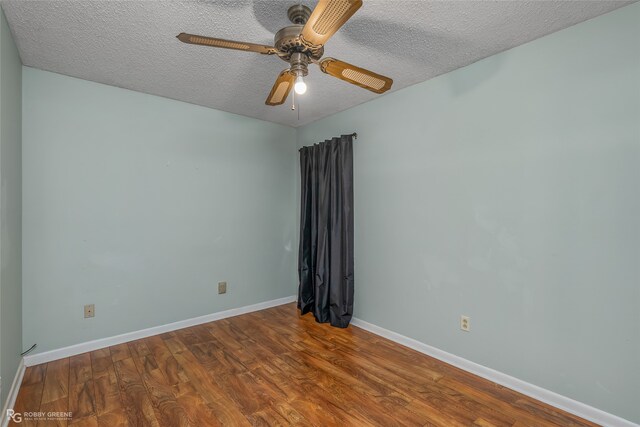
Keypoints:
pixel 226 44
pixel 281 88
pixel 326 19
pixel 356 75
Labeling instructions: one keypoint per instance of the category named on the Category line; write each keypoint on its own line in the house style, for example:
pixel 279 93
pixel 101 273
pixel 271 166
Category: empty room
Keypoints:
pixel 319 213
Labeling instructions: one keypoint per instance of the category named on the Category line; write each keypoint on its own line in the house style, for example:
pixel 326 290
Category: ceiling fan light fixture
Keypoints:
pixel 299 62
pixel 300 86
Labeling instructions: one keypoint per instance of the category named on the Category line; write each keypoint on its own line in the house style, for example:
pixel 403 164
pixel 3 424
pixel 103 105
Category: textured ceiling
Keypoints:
pixel 132 44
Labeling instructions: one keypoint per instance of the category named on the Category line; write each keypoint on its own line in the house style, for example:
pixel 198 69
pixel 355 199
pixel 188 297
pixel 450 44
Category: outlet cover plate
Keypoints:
pixel 465 323
pixel 89 311
pixel 222 287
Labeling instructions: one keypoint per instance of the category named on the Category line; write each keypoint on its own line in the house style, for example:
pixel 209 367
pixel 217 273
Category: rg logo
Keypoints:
pixel 16 417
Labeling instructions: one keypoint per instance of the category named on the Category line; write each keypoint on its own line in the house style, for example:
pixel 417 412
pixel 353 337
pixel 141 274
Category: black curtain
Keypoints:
pixel 325 259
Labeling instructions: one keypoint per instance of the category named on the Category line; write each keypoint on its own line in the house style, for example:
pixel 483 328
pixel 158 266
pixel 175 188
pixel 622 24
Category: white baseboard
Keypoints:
pixel 572 406
pixel 13 394
pixel 72 350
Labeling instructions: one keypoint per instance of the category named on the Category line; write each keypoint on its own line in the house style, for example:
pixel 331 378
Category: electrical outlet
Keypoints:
pixel 465 323
pixel 222 287
pixel 89 311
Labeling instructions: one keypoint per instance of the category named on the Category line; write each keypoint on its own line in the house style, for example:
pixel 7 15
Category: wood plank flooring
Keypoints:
pixel 271 367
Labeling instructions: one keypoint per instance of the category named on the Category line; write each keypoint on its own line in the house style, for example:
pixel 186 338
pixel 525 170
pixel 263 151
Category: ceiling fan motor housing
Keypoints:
pixel 288 40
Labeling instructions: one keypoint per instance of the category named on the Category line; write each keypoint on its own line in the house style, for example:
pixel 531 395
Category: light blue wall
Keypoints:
pixel 141 205
pixel 10 209
pixel 509 191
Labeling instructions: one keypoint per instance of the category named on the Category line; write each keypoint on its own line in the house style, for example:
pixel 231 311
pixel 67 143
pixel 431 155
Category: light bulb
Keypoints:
pixel 300 87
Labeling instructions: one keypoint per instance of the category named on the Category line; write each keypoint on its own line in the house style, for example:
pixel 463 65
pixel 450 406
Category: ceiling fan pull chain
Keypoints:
pixel 293 101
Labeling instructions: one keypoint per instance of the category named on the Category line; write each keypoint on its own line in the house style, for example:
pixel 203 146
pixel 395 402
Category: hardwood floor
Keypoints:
pixel 271 367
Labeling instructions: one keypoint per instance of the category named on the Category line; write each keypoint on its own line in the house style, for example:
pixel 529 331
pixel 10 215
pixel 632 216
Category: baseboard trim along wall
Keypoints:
pixel 13 394
pixel 567 404
pixel 72 350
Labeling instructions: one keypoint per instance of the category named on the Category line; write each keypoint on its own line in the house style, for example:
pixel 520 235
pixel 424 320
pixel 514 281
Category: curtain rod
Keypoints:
pixel 354 135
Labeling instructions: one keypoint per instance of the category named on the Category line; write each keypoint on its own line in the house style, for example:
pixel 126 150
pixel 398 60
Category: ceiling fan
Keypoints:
pixel 303 43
